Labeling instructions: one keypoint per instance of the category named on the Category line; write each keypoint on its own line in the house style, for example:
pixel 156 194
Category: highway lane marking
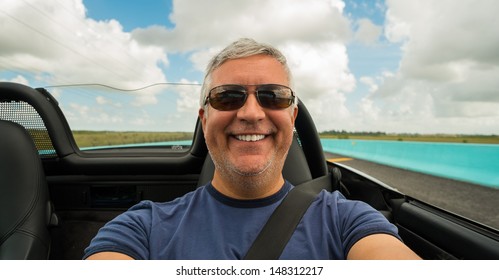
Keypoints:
pixel 339 159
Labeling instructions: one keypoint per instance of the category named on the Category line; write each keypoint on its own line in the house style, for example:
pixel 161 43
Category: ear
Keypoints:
pixel 202 116
pixel 295 113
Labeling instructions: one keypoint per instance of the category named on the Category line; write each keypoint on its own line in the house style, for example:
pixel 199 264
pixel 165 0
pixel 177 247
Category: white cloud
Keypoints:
pixel 312 34
pixel 367 32
pixel 200 25
pixel 57 42
pixel 188 100
pixel 447 80
pixel 321 79
pixel 101 100
pixel 19 79
pixel 370 82
pixel 65 46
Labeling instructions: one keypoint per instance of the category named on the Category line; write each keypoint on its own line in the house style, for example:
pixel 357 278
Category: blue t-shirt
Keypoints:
pixel 205 224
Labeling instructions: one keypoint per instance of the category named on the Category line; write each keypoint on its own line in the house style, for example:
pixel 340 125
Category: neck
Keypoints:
pixel 247 187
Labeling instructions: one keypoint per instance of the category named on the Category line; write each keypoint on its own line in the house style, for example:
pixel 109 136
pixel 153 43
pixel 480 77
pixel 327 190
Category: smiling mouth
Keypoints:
pixel 250 137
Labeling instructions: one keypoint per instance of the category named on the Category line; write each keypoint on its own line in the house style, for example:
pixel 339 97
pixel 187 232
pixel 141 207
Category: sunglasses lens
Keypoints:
pixel 227 99
pixel 275 97
pixel 232 97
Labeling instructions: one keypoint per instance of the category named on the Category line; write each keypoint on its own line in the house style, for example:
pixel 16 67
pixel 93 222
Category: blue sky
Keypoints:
pixel 363 60
pixel 131 14
pixel 395 66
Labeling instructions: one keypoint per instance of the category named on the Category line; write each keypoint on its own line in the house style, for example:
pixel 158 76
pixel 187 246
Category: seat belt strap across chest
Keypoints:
pixel 276 233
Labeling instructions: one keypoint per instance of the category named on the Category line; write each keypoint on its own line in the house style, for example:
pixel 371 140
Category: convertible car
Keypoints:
pixel 54 196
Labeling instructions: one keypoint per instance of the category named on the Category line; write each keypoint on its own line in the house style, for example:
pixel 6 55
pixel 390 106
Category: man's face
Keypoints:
pixel 252 141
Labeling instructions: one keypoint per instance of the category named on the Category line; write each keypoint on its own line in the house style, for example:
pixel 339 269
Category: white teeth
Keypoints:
pixel 250 138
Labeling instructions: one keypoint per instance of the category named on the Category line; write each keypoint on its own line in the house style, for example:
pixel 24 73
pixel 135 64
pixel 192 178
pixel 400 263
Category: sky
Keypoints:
pixel 395 66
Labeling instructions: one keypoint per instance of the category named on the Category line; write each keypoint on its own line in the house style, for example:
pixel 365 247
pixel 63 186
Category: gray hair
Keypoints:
pixel 240 49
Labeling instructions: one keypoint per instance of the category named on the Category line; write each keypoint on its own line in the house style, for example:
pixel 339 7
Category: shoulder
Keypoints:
pixel 337 201
pixel 351 211
pixel 339 211
pixel 355 219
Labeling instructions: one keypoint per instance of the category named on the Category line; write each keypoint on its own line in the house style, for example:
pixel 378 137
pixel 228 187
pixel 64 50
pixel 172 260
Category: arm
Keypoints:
pixel 124 237
pixel 381 247
pixel 109 256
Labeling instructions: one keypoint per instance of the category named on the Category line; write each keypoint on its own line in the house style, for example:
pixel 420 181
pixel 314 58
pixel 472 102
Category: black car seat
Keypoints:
pixel 25 210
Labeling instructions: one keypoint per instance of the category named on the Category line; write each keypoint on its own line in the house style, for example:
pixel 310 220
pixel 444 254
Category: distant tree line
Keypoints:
pixel 437 137
pixel 344 132
pixel 380 133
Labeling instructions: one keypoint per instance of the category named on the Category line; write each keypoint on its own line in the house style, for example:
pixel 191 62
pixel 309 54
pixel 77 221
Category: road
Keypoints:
pixel 476 202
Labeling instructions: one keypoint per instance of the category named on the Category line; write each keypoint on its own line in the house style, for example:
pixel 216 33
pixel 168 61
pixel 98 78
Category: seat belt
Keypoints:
pixel 276 233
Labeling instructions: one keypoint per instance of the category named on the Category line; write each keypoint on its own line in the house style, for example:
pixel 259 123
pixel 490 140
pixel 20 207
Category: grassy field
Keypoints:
pixel 105 138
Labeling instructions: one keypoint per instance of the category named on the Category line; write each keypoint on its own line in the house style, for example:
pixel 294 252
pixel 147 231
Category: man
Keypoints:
pixel 247 112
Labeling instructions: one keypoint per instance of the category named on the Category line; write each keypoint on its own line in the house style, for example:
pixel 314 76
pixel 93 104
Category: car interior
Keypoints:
pixel 55 197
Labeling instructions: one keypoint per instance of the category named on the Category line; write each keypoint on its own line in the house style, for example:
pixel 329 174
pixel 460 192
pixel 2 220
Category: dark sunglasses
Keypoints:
pixel 233 97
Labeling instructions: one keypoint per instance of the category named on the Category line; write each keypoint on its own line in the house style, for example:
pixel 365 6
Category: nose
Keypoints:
pixel 251 110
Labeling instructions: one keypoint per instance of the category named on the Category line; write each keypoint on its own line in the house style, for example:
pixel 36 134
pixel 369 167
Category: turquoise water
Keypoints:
pixel 475 163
